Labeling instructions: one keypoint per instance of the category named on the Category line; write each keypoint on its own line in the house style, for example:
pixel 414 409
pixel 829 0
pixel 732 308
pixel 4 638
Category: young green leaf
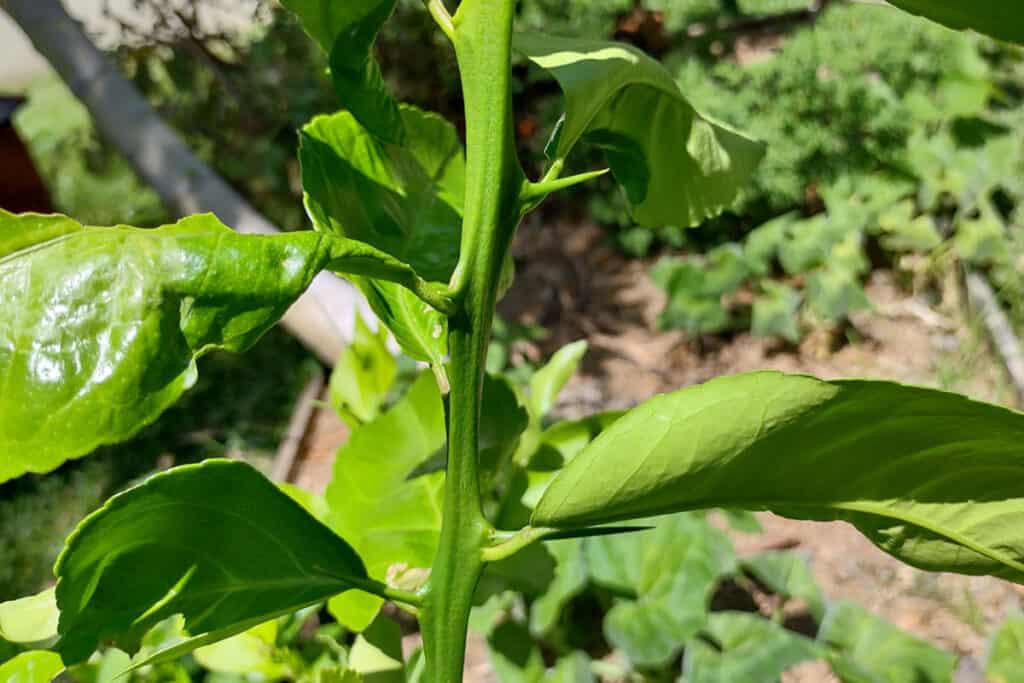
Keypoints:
pixel 545 386
pixel 867 648
pixel 676 166
pixel 363 375
pixel 747 649
pixel 34 666
pixel 997 18
pixel 391 520
pixel 928 476
pixel 377 653
pixel 101 327
pixel 216 542
pixel 29 620
pixel 250 652
pixel 406 201
pixel 347 31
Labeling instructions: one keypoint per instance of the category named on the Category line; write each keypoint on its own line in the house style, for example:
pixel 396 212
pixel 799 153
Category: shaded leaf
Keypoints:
pixel 676 166
pixel 748 649
pixel 928 476
pixel 867 646
pixel 101 327
pixel 346 31
pixel 571 577
pixel 216 542
pixel 405 201
pixel 788 575
pixel 390 520
pixel 679 564
pixel 997 18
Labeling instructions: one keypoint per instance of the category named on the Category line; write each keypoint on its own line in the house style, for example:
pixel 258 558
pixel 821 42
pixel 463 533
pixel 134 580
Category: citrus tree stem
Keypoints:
pixel 482 34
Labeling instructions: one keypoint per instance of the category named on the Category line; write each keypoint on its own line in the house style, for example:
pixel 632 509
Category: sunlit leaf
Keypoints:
pixel 100 328
pixel 677 166
pixel 35 666
pixel 363 375
pixel 745 649
pixel 1005 660
pixel 928 476
pixel 392 521
pixel 867 648
pixel 29 620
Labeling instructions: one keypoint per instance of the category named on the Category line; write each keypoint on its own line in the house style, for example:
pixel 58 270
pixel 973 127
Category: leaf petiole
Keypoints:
pixel 441 17
pixel 383 590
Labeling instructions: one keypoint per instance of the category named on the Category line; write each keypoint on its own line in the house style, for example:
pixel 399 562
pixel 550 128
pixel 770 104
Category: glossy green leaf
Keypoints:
pixel 35 666
pixel 1005 660
pixel 788 574
pixel 928 476
pixel 29 620
pixel 747 649
pixel 406 201
pixel 363 375
pixel 997 18
pixel 677 166
pixel 347 31
pixel 866 647
pixel 101 327
pixel 677 567
pixel 216 542
pixel 392 521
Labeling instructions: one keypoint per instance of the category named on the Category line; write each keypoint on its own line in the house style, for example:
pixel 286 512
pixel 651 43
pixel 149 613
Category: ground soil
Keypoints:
pixel 918 332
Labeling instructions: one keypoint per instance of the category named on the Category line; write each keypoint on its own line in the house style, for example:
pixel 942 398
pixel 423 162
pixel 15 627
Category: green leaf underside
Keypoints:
pixel 930 477
pixel 35 666
pixel 748 649
pixel 677 166
pixel 29 620
pixel 389 519
pixel 101 327
pixel 406 201
pixel 216 542
pixel 997 18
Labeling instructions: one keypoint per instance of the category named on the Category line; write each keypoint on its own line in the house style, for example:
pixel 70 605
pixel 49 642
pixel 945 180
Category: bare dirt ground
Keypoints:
pixel 579 287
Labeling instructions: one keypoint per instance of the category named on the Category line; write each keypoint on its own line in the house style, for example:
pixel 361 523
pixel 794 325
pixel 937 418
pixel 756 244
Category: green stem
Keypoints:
pixel 385 591
pixel 482 37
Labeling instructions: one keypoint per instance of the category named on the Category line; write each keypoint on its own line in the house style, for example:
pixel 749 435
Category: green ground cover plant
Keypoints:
pixel 938 181
pixel 438 498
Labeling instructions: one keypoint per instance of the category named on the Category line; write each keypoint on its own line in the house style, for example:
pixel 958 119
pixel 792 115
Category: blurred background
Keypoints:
pixel 881 237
